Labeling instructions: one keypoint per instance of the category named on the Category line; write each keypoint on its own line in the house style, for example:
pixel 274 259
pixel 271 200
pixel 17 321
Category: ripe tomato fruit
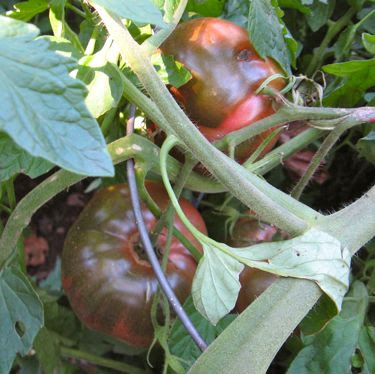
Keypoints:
pixel 220 97
pixel 246 232
pixel 106 276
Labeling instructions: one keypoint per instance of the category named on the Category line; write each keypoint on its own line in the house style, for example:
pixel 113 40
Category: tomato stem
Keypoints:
pixel 354 224
pixel 271 204
pixel 317 159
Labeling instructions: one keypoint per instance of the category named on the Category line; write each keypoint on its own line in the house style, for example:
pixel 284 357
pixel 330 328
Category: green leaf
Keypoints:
pixel 263 20
pixel 43 108
pixel 368 41
pixel 14 160
pixel 62 46
pixel 21 315
pixel 47 350
pixel 356 3
pixel 344 43
pixel 25 10
pixel 315 255
pixel 294 4
pixel 331 350
pixel 319 316
pixel 320 13
pixel 237 11
pixel 60 27
pixel 168 7
pixel 181 343
pixel 357 76
pixel 216 284
pixel 170 71
pixel 143 11
pixel 367 348
pixel 53 282
pixel 104 83
pixel 206 8
pixel 366 146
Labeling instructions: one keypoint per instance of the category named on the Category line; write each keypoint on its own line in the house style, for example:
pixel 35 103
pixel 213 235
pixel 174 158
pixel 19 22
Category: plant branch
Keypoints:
pixel 271 204
pixel 354 224
pixel 258 333
pixel 319 156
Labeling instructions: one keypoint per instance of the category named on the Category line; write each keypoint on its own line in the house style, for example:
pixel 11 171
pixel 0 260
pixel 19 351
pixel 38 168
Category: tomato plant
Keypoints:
pixel 74 72
pixel 226 72
pixel 106 276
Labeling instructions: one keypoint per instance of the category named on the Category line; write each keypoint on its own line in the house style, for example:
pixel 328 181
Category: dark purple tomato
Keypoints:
pixel 108 280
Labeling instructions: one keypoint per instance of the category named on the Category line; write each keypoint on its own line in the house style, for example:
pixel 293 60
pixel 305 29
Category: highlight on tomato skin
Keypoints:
pixel 105 274
pixel 226 72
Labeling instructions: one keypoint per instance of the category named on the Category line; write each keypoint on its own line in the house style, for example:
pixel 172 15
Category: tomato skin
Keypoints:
pixel 109 286
pixel 226 70
pixel 246 232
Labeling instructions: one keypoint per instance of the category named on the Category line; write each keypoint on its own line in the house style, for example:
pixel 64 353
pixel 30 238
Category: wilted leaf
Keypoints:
pixel 315 255
pixel 36 249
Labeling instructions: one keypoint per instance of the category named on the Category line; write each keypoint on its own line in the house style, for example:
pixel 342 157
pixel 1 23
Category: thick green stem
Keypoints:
pixel 271 204
pixel 281 153
pixel 353 225
pixel 101 361
pixel 333 29
pixel 258 333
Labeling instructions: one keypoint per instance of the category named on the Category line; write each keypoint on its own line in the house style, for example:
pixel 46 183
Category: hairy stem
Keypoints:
pixel 319 156
pixel 355 224
pixel 271 204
